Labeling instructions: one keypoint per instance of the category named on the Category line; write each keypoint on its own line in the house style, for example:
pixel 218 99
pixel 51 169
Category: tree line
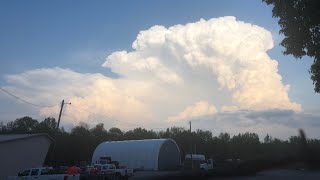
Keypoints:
pixel 78 145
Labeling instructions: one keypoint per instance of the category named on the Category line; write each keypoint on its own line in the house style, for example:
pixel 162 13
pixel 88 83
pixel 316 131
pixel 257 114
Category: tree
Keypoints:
pixel 81 130
pixel 23 125
pixel 3 128
pixel 140 133
pixel 246 138
pixel 99 130
pixel 267 139
pixel 224 137
pixel 300 24
pixel 205 136
pixel 48 125
pixel 115 133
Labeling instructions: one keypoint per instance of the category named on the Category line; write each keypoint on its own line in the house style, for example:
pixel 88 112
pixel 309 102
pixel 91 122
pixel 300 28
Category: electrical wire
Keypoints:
pixel 69 116
pixel 79 108
pixel 27 102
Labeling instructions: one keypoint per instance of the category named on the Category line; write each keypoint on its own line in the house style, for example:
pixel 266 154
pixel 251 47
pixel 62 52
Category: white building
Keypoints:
pixel 22 151
pixel 149 154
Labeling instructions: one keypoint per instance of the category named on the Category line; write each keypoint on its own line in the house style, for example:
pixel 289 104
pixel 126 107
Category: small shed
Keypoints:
pixel 22 151
pixel 148 154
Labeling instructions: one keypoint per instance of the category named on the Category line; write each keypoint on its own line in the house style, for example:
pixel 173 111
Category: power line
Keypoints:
pixel 25 100
pixel 69 116
pixel 79 108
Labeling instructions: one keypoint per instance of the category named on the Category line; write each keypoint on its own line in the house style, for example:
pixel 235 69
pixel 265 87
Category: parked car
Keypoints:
pixel 43 173
pixel 123 173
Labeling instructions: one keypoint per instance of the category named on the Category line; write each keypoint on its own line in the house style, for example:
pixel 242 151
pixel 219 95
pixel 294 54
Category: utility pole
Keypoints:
pixel 191 146
pixel 62 103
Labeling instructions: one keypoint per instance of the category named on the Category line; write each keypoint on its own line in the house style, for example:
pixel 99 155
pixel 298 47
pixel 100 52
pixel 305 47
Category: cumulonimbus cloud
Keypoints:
pixel 178 72
pixel 234 52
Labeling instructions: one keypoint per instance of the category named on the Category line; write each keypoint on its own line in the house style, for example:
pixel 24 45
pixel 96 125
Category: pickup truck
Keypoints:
pixel 43 173
pixel 207 165
pixel 123 173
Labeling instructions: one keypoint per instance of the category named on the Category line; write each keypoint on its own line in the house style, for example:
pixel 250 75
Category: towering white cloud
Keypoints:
pixel 176 73
pixel 235 52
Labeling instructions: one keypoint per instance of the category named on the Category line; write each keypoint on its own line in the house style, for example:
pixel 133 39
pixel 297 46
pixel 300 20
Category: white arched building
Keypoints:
pixel 149 154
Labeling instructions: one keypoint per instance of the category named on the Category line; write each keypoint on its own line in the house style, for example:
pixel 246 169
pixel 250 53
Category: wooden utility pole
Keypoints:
pixel 60 114
pixel 191 146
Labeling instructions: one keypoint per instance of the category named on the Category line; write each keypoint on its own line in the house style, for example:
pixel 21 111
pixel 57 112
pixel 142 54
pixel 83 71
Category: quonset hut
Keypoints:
pixel 149 154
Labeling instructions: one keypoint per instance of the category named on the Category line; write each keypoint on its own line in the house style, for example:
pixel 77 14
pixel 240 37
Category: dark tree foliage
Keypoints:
pixel 81 130
pixel 300 24
pixel 48 125
pixel 72 148
pixel 99 130
pixel 140 133
pixel 115 134
pixel 24 125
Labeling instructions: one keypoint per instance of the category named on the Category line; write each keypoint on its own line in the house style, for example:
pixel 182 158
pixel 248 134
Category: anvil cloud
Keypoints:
pixel 171 74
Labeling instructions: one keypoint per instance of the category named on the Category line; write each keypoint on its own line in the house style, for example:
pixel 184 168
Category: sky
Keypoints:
pixel 154 64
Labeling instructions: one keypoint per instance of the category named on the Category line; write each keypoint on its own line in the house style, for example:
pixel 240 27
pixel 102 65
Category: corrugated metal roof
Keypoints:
pixel 132 153
pixel 14 137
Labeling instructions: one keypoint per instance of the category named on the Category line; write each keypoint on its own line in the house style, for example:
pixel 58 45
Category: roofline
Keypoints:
pixel 27 137
pixel 161 139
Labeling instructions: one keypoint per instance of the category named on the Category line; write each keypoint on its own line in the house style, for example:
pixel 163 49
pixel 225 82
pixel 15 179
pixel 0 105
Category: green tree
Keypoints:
pixel 48 125
pixel 246 138
pixel 81 130
pixel 295 140
pixel 23 125
pixel 99 130
pixel 3 128
pixel 115 133
pixel 140 133
pixel 267 139
pixel 300 24
pixel 205 136
pixel 202 140
pixel 224 137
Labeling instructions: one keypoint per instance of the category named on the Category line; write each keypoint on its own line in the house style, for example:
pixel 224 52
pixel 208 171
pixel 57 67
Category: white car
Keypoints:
pixel 124 173
pixel 43 173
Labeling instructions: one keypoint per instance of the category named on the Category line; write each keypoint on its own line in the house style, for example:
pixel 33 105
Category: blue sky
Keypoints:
pixel 38 34
pixel 79 35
